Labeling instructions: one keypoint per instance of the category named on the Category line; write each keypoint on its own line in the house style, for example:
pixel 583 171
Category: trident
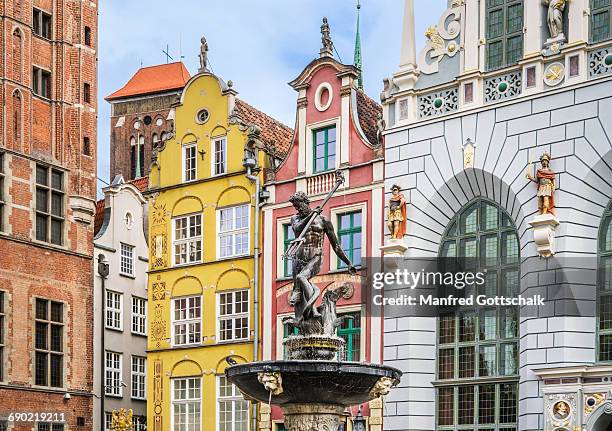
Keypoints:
pixel 295 245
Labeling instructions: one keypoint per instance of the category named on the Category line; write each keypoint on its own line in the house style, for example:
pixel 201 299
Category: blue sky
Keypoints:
pixel 260 45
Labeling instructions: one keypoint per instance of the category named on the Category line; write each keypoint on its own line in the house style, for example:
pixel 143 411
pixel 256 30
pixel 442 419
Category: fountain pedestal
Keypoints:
pixel 313 417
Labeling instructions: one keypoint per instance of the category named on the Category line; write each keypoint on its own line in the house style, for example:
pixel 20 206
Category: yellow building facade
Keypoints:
pixel 203 241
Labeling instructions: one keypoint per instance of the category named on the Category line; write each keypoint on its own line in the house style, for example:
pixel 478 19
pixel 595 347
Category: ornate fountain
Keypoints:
pixel 314 386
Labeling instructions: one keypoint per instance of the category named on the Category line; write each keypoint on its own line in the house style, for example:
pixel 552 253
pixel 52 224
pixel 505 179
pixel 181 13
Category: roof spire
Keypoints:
pixel 357 57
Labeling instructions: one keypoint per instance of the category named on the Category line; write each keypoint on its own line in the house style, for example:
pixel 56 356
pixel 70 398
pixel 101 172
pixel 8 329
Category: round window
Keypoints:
pixel 147 120
pixel 202 116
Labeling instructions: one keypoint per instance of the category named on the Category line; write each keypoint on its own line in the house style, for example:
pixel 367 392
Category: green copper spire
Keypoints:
pixel 357 58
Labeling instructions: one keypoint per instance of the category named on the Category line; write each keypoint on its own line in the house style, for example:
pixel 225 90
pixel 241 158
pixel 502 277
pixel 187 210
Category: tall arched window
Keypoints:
pixel 604 338
pixel 141 156
pixel 504 32
pixel 601 20
pixel 477 347
pixel 17 119
pixel 17 55
pixel 133 156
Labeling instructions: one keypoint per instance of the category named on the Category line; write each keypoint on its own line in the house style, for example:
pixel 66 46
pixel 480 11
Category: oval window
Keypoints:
pixel 202 116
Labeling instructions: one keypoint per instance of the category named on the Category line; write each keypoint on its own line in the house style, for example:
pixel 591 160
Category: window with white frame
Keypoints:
pixel 188 239
pixel 233 315
pixel 126 266
pixel 108 421
pixel 233 408
pixel 189 162
pixel 219 156
pixel 233 230
pixel 187 320
pixel 139 315
pixel 186 400
pixel 114 310
pixel 140 423
pixel 139 377
pixel 112 385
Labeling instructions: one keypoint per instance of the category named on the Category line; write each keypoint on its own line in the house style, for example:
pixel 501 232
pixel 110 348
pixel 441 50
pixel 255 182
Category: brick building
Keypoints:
pixel 47 190
pixel 142 117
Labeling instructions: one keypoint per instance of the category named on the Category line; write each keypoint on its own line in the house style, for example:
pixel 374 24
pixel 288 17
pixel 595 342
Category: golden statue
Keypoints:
pixel 122 420
pixel 396 218
pixel 545 180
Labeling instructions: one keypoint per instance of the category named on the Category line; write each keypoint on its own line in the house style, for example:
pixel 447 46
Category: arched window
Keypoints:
pixel 17 119
pixel 601 20
pixel 133 155
pixel 477 347
pixel 604 335
pixel 141 156
pixel 504 32
pixel 17 55
pixel 155 140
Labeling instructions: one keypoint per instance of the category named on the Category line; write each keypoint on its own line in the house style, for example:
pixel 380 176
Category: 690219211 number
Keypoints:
pixel 36 417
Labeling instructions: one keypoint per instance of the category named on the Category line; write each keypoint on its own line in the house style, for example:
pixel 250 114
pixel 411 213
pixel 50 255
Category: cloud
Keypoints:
pixel 259 45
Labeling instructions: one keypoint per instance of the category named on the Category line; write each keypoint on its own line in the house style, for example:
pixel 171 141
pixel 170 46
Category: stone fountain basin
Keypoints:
pixel 312 382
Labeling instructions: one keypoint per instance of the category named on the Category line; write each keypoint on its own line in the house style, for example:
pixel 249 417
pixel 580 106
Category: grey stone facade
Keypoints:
pixel 575 127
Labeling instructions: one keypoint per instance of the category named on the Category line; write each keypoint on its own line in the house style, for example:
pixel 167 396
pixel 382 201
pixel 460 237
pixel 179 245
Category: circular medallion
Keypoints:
pixel 554 74
pixel 438 103
pixel 323 96
pixel 159 122
pixel 502 87
pixel 137 125
pixel 607 60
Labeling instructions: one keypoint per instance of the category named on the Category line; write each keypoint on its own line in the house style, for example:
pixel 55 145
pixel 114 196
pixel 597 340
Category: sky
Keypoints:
pixel 259 45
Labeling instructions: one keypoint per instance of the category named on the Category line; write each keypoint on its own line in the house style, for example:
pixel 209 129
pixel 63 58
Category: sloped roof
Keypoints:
pixel 154 79
pixel 273 132
pixel 140 183
pixel 368 112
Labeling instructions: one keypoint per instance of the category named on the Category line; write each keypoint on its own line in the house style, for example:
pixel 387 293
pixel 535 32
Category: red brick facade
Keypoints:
pixel 48 86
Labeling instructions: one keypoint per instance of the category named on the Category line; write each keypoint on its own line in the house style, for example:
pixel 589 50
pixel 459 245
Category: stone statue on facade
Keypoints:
pixel 545 180
pixel 555 18
pixel 396 217
pixel 311 227
pixel 328 46
pixel 203 55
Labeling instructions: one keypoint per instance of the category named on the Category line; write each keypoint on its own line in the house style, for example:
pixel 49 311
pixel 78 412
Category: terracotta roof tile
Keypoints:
pixel 154 79
pixel 142 184
pixel 274 133
pixel 368 112
pixel 99 216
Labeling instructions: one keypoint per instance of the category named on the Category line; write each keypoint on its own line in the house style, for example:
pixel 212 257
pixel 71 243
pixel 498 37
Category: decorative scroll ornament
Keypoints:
pixel 560 411
pixel 382 387
pixel 441 39
pixel 273 382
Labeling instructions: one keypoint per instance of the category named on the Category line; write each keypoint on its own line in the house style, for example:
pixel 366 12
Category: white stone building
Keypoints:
pixel 121 327
pixel 494 88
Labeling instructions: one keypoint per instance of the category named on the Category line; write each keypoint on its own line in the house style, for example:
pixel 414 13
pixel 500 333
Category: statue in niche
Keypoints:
pixel 203 55
pixel 555 17
pixel 545 180
pixel 396 218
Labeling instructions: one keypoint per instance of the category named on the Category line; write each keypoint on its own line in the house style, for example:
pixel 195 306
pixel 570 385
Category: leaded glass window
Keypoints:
pixel 601 20
pixel 478 346
pixel 605 288
pixel 504 29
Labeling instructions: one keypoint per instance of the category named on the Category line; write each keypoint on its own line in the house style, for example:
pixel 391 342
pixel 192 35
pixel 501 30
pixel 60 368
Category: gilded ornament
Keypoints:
pixel 122 420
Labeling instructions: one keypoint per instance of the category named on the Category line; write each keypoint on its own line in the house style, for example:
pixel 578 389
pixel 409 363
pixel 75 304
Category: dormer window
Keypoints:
pixel 504 33
pixel 324 149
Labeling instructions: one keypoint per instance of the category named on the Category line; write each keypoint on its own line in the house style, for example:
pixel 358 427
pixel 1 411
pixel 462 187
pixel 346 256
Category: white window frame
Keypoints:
pixel 233 232
pixel 139 422
pixel 233 399
pixel 188 240
pixel 174 402
pixel 187 322
pixel 192 174
pixel 126 263
pixel 139 320
pixel 112 311
pixel 213 158
pixel 138 377
pixel 113 391
pixel 108 421
pixel 233 316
